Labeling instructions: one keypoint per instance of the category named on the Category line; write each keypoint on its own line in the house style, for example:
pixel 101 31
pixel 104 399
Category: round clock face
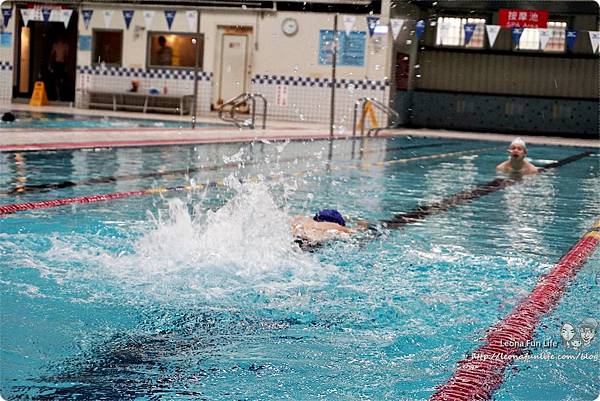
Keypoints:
pixel 289 26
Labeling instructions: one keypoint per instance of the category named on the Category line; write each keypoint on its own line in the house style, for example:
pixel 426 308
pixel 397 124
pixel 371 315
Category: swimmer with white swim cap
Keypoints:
pixel 516 162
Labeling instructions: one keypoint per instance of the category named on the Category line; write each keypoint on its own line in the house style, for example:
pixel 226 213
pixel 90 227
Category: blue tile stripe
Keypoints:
pixel 6 65
pixel 320 82
pixel 143 72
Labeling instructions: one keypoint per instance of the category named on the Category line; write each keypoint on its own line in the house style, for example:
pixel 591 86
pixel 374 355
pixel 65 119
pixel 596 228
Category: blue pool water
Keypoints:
pixel 202 295
pixel 39 120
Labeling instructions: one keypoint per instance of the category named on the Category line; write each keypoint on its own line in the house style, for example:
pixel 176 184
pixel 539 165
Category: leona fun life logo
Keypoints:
pixel 579 336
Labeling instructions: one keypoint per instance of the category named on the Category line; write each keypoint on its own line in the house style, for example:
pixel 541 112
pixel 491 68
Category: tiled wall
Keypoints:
pixel 308 99
pixel 503 113
pixel 6 79
pixel 118 79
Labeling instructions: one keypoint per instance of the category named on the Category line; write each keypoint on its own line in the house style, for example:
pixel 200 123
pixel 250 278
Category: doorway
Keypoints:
pixel 46 51
pixel 234 63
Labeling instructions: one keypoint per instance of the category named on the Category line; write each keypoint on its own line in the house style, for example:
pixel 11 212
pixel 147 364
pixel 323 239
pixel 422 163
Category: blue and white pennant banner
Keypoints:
pixel 128 16
pixel 6 15
pixel 87 17
pixel 148 17
pixel 170 16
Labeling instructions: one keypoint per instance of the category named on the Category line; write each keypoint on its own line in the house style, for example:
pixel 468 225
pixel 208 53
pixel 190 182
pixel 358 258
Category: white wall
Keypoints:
pixel 276 53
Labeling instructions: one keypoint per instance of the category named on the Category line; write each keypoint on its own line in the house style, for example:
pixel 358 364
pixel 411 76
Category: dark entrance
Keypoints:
pixel 42 57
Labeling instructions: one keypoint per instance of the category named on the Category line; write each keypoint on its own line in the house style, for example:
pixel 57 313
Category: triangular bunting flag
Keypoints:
pixel 192 18
pixel 594 40
pixel 46 12
pixel 87 17
pixel 6 14
pixel 420 28
pixel 371 24
pixel 26 14
pixel 127 16
pixel 65 16
pixel 348 21
pixel 571 38
pixel 469 30
pixel 170 16
pixel 396 24
pixel 516 35
pixel 444 27
pixel 492 31
pixel 544 37
pixel 56 15
pixel 148 17
pixel 108 14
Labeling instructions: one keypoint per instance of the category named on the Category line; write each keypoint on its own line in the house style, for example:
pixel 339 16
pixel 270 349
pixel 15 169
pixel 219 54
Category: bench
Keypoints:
pixel 140 102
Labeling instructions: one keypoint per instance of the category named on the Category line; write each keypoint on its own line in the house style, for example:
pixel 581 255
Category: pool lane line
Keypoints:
pixel 19 207
pixel 421 212
pixel 107 180
pixel 481 372
pixel 434 156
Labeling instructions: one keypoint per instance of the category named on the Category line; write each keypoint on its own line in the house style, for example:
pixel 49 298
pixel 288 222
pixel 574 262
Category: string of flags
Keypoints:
pixel 63 15
pixel 57 14
pixel 40 14
pixel 545 34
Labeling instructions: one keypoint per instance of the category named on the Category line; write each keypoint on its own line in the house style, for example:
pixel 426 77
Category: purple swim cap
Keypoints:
pixel 331 216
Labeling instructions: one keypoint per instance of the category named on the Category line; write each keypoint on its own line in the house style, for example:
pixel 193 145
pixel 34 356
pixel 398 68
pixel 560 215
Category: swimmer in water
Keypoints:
pixel 517 163
pixel 326 225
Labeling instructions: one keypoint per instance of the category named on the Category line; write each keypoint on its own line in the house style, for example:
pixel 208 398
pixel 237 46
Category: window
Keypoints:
pixel 451 32
pixel 107 47
pixel 530 38
pixel 174 49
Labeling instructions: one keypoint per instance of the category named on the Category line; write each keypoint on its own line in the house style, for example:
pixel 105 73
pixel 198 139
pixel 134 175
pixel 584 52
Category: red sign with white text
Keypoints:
pixel 523 18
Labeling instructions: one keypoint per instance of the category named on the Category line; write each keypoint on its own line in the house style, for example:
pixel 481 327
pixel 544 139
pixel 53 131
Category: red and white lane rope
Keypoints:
pixel 18 207
pixel 482 372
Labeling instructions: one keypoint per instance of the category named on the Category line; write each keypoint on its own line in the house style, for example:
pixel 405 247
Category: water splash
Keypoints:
pixel 241 251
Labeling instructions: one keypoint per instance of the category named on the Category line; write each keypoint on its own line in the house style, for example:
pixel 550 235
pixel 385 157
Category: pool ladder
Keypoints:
pixel 240 100
pixel 362 103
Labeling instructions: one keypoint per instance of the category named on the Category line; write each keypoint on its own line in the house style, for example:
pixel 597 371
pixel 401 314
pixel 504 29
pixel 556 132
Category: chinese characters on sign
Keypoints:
pixel 523 18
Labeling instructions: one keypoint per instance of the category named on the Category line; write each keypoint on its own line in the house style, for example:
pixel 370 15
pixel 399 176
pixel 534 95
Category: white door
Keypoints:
pixel 234 66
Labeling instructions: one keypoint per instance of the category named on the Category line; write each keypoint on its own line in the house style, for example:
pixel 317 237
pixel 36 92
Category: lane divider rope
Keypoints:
pixel 482 371
pixel 111 179
pixel 18 207
pixel 401 219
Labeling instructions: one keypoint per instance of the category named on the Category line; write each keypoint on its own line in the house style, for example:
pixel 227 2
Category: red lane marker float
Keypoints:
pixel 17 207
pixel 482 372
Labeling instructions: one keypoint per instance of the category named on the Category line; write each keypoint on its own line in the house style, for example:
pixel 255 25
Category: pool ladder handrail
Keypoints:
pixel 238 101
pixel 395 117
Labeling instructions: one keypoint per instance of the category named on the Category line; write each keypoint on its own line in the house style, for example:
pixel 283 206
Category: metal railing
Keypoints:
pixel 362 102
pixel 239 101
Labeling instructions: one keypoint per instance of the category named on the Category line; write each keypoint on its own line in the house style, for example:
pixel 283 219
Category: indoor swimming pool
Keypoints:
pixel 188 285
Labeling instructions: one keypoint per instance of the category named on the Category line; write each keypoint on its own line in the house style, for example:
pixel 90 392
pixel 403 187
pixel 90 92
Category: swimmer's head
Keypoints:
pixel 517 148
pixel 331 216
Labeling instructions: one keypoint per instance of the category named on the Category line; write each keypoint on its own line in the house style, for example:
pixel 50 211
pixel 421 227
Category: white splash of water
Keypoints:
pixel 242 250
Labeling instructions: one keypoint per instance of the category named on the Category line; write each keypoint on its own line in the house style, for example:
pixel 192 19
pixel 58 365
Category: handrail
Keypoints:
pixel 240 100
pixel 382 107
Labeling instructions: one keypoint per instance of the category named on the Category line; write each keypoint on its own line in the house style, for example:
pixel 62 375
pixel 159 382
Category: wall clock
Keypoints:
pixel 289 26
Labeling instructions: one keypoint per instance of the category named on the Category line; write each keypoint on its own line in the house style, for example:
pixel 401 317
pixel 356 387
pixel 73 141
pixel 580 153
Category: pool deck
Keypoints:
pixel 22 139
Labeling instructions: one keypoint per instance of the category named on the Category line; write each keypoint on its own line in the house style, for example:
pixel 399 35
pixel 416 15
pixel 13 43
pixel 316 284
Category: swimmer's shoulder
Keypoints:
pixel 531 169
pixel 503 167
